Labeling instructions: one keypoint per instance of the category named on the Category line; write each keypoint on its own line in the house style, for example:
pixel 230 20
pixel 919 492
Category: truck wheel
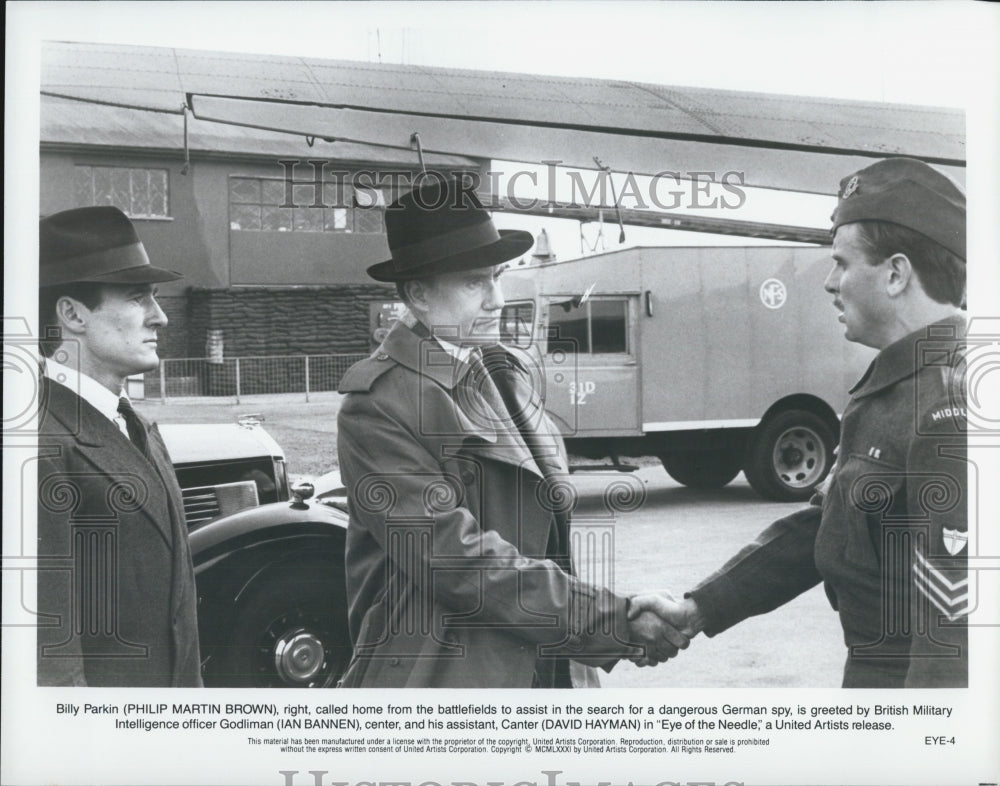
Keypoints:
pixel 788 455
pixel 289 630
pixel 702 469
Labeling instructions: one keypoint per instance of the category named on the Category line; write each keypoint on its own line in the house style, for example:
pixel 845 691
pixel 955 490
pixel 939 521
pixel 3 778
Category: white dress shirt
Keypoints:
pixel 90 390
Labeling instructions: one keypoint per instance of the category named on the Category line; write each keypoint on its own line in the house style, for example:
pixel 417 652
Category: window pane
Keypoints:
pixel 121 190
pixel 276 218
pixel 243 190
pixel 272 192
pixel 244 217
pixel 304 195
pixel 608 325
pixel 337 193
pixel 368 220
pixel 158 192
pixel 140 192
pixel 102 185
pixel 336 219
pixel 309 219
pixel 568 327
pixel 83 184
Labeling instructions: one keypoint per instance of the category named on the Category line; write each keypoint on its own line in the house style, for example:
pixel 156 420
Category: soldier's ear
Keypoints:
pixel 899 271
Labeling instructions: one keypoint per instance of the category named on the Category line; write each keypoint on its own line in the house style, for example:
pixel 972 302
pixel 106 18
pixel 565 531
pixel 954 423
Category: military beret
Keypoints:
pixel 907 192
pixel 94 244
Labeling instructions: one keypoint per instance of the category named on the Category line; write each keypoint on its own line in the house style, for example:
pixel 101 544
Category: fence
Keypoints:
pixel 247 376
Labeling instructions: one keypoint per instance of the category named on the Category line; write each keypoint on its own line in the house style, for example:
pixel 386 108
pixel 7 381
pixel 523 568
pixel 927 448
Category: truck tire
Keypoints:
pixel 788 454
pixel 289 630
pixel 702 469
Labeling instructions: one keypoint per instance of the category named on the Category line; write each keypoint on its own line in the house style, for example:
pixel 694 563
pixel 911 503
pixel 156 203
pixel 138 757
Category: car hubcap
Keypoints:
pixel 298 657
pixel 799 457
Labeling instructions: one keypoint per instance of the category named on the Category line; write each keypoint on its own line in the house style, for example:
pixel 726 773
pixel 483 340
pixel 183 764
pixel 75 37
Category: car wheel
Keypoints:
pixel 789 454
pixel 289 630
pixel 702 469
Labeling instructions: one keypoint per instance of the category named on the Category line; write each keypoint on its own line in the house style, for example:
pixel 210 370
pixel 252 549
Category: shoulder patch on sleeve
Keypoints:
pixel 360 377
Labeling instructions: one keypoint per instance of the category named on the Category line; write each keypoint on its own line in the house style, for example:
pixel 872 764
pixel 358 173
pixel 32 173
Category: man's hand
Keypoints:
pixel 660 639
pixel 680 622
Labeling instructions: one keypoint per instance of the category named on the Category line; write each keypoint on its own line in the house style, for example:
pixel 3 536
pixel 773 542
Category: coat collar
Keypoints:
pixel 908 355
pixel 423 355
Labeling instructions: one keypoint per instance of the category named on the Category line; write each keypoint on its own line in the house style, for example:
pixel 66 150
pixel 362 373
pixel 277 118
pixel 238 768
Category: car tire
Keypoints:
pixel 289 630
pixel 702 469
pixel 789 454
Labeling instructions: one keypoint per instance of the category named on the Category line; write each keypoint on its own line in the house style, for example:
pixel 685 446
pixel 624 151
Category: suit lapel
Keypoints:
pixel 112 455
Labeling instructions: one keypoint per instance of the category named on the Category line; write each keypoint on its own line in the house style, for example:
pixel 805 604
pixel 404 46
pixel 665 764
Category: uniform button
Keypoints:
pixel 468 477
pixel 450 638
pixel 575 643
pixel 381 356
pixel 394 662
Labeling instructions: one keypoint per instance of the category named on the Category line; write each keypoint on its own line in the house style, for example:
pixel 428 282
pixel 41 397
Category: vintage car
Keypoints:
pixel 269 559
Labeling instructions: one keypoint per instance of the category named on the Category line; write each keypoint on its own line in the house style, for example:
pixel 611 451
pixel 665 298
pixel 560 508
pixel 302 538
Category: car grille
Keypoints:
pixel 204 503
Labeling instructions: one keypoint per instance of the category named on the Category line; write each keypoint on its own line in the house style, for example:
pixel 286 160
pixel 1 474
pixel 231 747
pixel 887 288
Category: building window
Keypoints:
pixel 598 326
pixel 138 193
pixel 259 204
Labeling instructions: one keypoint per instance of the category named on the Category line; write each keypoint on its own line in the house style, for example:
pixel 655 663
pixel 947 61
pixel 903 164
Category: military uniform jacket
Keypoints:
pixel 888 536
pixel 458 569
pixel 116 590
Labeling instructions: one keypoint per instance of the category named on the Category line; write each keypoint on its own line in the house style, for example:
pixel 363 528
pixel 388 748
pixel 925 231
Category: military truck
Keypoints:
pixel 713 359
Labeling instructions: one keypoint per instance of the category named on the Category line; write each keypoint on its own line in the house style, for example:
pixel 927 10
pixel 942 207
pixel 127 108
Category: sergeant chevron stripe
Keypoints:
pixel 950 598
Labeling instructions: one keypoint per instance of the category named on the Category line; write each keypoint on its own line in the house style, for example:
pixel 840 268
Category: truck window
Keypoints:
pixel 516 321
pixel 598 326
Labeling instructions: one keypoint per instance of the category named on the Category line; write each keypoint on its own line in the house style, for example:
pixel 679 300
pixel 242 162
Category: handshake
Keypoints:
pixel 662 625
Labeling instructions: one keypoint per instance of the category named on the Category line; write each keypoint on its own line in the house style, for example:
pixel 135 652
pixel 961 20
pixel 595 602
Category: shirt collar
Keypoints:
pixel 905 357
pixel 86 387
pixel 459 353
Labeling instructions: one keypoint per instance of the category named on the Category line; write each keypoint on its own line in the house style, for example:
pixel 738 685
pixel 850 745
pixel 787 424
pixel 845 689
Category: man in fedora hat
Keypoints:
pixel 116 592
pixel 458 562
pixel 888 535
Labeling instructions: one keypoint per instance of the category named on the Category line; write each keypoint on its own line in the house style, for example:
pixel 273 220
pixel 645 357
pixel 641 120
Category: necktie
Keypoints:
pixel 136 431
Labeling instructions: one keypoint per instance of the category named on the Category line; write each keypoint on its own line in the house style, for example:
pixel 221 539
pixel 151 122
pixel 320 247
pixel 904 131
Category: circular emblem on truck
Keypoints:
pixel 773 293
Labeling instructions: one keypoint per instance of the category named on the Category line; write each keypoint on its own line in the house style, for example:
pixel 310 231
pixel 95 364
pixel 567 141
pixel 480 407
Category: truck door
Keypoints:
pixel 591 363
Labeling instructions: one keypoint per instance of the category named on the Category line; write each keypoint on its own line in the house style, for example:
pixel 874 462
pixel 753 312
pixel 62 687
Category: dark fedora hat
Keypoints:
pixel 94 244
pixel 441 227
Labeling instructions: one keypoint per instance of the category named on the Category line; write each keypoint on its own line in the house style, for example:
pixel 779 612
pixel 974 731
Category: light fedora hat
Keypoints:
pixel 439 227
pixel 94 244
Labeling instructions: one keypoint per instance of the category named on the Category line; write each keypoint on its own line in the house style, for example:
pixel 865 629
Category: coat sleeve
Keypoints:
pixel 777 567
pixel 394 482
pixel 59 652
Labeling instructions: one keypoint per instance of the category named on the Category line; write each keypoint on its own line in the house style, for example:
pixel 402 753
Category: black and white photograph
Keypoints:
pixel 643 349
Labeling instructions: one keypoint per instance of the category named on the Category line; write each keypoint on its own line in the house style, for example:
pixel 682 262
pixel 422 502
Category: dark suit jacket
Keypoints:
pixel 116 592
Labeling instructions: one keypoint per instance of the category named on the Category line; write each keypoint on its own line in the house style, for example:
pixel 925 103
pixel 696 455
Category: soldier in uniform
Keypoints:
pixel 459 572
pixel 888 534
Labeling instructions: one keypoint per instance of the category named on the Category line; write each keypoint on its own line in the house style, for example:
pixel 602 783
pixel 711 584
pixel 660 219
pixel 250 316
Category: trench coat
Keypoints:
pixel 888 536
pixel 458 567
pixel 116 590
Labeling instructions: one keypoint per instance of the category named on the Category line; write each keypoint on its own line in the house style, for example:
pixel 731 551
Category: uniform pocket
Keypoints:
pixel 872 493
